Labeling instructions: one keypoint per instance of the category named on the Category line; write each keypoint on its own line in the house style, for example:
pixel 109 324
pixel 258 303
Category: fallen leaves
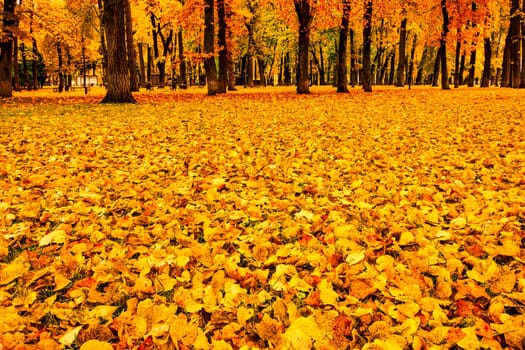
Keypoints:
pixel 267 221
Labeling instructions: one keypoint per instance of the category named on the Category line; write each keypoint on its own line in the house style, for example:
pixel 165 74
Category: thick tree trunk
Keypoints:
pixel 305 16
pixel 209 48
pixel 6 48
pixel 367 41
pixel 401 61
pixel 118 82
pixel 130 45
pixel 443 47
pixel 485 80
pixel 342 76
pixel 223 51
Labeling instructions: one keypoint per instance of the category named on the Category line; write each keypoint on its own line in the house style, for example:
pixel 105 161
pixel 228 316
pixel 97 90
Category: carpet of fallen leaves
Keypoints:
pixel 264 219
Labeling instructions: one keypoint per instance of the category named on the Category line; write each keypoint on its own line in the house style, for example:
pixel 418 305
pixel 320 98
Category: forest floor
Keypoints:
pixel 263 219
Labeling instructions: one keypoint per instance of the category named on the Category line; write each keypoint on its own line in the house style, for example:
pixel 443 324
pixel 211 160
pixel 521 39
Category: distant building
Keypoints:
pixel 91 80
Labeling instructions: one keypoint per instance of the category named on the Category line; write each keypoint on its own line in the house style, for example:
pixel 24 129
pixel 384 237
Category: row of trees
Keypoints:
pixel 365 42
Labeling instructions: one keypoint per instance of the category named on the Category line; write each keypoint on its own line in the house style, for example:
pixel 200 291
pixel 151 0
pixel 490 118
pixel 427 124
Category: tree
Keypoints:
pixel 118 83
pixel 132 61
pixel 9 22
pixel 223 51
pixel 305 16
pixel 209 48
pixel 342 76
pixel 402 46
pixel 443 46
pixel 367 42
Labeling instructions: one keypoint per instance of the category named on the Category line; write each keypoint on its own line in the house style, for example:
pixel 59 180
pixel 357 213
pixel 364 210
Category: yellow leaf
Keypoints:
pixel 94 344
pixel 70 336
pixel 61 281
pixel 327 294
pixel 57 236
pixel 355 258
pixel 14 270
pixel 244 314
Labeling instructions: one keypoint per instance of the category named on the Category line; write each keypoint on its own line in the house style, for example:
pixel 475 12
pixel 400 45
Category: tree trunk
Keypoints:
pixel 34 63
pixel 505 73
pixel 353 68
pixel 209 47
pixel 61 77
pixel 130 45
pixel 149 71
pixel 456 63
pixel 411 66
pixel 142 65
pixel 6 48
pixel 472 69
pixel 342 77
pixel 485 80
pixel 305 16
pixel 287 70
pixel 223 51
pixel 461 78
pixel 437 67
pixel 103 48
pixel 391 74
pixel 367 41
pixel 16 66
pixel 522 77
pixel 443 47
pixel 515 42
pixel 182 65
pixel 401 60
pixel 118 81
pixel 422 62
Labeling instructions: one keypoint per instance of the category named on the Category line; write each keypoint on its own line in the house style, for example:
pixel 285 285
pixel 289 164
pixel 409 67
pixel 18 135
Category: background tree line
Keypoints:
pixel 224 43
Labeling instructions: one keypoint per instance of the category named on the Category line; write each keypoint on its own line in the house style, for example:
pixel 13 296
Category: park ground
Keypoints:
pixel 263 219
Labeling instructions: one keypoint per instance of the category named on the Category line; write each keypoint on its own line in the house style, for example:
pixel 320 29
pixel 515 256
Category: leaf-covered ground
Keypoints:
pixel 264 219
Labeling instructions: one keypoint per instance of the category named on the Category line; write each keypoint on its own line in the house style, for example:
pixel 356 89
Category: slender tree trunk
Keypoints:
pixel 411 66
pixel 305 16
pixel 6 48
pixel 443 47
pixel 287 70
pixel 391 74
pixel 515 43
pixel 472 69
pixel 182 65
pixel 353 68
pixel 422 62
pixel 103 48
pixel 209 48
pixel 34 63
pixel 462 70
pixel 149 71
pixel 130 45
pixel 367 41
pixel 61 78
pixel 223 51
pixel 25 67
pixel 118 84
pixel 401 60
pixel 485 80
pixel 342 76
pixel 322 70
pixel 142 65
pixel 16 66
pixel 522 77
pixel 437 68
pixel 506 64
pixel 456 63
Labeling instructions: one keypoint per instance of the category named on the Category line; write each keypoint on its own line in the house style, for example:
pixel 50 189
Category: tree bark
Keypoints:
pixel 461 78
pixel 443 47
pixel 367 41
pixel 34 63
pixel 437 68
pixel 353 68
pixel 209 48
pixel 142 65
pixel 411 66
pixel 16 66
pixel 522 77
pixel 182 63
pixel 6 48
pixel 130 45
pixel 485 80
pixel 118 81
pixel 103 48
pixel 472 69
pixel 515 42
pixel 391 74
pixel 456 63
pixel 223 50
pixel 342 76
pixel 401 61
pixel 305 16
